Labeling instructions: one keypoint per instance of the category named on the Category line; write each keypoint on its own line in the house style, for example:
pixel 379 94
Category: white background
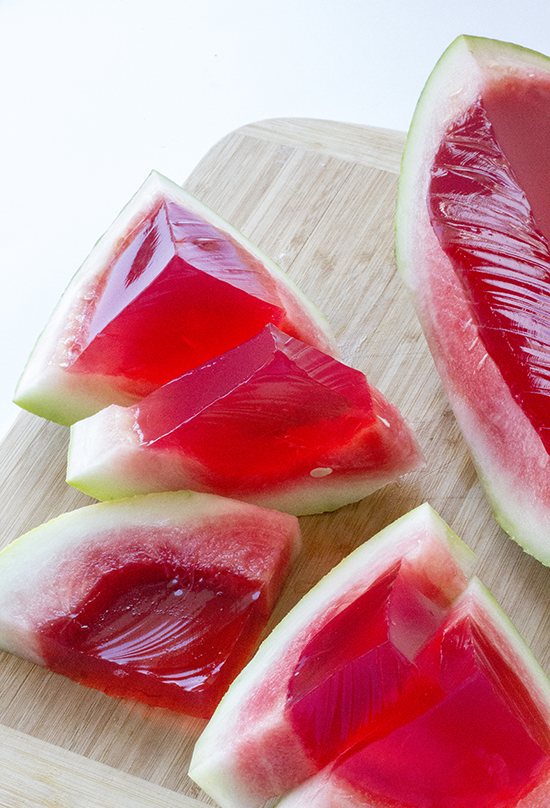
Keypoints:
pixel 96 93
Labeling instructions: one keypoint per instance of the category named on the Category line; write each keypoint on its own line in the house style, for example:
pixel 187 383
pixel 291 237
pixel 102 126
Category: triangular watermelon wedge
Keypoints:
pixel 273 421
pixel 168 286
pixel 160 598
pixel 396 681
pixel 473 236
pixel 484 744
pixel 338 668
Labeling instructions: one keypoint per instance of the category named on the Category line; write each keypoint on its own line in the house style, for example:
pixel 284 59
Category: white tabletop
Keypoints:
pixel 96 94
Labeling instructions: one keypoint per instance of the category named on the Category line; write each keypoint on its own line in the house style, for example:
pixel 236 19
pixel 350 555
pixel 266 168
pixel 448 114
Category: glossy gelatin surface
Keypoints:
pixel 263 413
pixel 489 201
pixel 483 745
pixel 160 633
pixel 356 679
pixel 178 293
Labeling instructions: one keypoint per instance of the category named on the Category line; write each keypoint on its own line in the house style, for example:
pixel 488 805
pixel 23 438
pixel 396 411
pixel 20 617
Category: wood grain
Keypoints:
pixel 54 777
pixel 318 197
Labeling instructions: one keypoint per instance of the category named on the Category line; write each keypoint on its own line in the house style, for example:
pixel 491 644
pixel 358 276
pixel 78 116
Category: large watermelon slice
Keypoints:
pixel 273 421
pixel 473 229
pixel 169 286
pixel 396 681
pixel 160 598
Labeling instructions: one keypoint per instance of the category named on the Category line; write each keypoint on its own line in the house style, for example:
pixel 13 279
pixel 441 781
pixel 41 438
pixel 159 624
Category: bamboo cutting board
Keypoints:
pixel 318 197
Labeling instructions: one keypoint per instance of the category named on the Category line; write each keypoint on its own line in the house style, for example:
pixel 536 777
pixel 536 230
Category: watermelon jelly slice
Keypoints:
pixel 485 743
pixel 273 421
pixel 160 598
pixel 473 230
pixel 396 682
pixel 340 669
pixel 169 286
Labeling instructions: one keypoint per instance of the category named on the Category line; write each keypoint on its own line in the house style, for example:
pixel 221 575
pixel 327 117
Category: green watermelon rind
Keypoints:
pixel 510 459
pixel 325 791
pixel 215 765
pixel 46 389
pixel 36 565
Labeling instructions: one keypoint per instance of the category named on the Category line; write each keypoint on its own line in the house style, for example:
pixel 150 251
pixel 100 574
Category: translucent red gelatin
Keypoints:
pixel 483 745
pixel 520 118
pixel 179 293
pixel 159 633
pixel 263 412
pixel 356 680
pixel 489 201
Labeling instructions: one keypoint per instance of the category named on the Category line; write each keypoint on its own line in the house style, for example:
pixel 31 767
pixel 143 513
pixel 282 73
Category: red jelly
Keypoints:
pixel 166 631
pixel 356 679
pixel 489 201
pixel 160 633
pixel 520 118
pixel 483 745
pixel 178 293
pixel 268 410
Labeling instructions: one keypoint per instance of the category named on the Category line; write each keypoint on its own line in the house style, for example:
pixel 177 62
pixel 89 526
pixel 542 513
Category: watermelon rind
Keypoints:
pixel 51 569
pixel 47 389
pixel 325 789
pixel 248 752
pixel 511 461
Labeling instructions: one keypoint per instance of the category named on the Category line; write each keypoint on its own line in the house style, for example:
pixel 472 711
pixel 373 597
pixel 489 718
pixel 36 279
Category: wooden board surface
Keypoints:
pixel 318 197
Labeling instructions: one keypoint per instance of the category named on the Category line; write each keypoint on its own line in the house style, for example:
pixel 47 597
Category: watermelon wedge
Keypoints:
pixel 160 598
pixel 340 666
pixel 273 421
pixel 484 744
pixel 473 230
pixel 169 286
pixel 396 681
